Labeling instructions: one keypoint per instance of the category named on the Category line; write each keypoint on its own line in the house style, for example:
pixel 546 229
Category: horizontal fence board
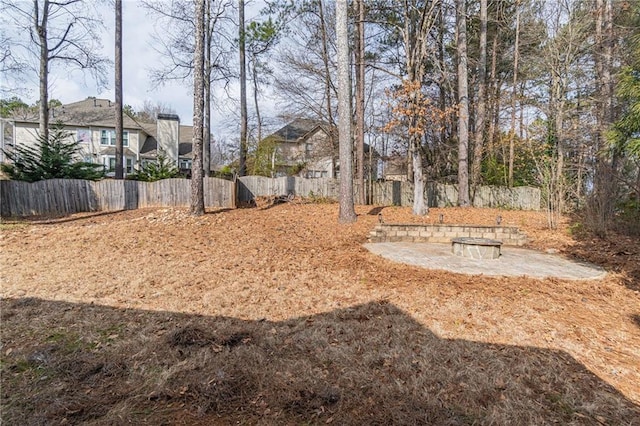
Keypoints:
pixel 66 196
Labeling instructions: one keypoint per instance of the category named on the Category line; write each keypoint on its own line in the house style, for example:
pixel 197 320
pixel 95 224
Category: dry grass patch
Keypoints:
pixel 277 315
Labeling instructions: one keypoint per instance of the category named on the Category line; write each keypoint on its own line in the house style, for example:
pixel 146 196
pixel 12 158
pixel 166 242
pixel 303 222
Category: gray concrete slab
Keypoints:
pixel 516 262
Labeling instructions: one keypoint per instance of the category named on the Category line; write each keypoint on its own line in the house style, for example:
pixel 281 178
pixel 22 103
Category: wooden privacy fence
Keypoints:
pixel 65 196
pixel 389 192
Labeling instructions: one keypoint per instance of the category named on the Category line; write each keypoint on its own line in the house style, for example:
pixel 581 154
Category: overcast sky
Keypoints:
pixel 138 57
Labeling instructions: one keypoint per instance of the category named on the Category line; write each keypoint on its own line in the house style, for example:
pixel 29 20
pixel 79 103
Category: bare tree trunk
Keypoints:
pixel 327 86
pixel 360 81
pixel 478 148
pixel 347 212
pixel 420 205
pixel 41 28
pixel 607 79
pixel 254 72
pixel 206 140
pixel 495 92
pixel 243 92
pixel 444 84
pixel 417 25
pixel 70 40
pixel 197 190
pixel 463 106
pixel 601 202
pixel 514 95
pixel 119 173
pixel 556 168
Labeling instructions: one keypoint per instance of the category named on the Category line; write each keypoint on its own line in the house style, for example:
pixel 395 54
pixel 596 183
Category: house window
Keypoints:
pixel 307 150
pixel 83 135
pixel 108 137
pixel 185 164
pixel 110 164
pixel 315 174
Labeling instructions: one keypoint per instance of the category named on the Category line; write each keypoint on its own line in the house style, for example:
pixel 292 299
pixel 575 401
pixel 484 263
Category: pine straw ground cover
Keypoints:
pixel 279 316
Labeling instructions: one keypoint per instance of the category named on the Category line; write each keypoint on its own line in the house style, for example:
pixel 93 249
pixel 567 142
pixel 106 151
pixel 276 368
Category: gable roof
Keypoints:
pixel 89 112
pixel 149 148
pixel 301 129
pixel 298 130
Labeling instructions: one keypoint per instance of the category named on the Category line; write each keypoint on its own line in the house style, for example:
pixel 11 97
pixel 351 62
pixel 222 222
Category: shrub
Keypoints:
pixel 157 170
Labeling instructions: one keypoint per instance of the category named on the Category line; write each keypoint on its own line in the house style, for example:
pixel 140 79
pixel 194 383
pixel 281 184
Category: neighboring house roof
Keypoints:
pixel 185 150
pixel 111 150
pixel 149 148
pixel 301 129
pixel 96 112
pixel 91 112
pixel 298 130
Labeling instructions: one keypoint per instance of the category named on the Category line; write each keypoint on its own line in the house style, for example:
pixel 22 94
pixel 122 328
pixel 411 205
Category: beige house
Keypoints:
pixel 310 148
pixel 304 147
pixel 91 123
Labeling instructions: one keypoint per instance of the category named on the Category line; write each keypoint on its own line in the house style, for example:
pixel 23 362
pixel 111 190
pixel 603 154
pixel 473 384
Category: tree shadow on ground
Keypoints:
pixel 376 211
pixel 217 211
pixel 63 218
pixel 369 364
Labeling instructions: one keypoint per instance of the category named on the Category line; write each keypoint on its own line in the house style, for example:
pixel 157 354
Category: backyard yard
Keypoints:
pixel 278 315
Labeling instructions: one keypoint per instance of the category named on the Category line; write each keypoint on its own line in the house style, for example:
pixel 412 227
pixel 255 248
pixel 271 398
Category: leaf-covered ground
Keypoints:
pixel 277 315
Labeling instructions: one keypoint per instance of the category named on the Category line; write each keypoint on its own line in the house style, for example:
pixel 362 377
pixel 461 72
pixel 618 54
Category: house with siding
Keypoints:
pixel 91 124
pixel 309 148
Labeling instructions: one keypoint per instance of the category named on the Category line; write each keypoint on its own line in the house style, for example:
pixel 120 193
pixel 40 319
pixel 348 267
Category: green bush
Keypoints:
pixel 157 170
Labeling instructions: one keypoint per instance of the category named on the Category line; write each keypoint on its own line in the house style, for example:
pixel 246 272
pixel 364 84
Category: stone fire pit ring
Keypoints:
pixel 476 248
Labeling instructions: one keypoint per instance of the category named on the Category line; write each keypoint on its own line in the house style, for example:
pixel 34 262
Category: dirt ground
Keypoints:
pixel 278 315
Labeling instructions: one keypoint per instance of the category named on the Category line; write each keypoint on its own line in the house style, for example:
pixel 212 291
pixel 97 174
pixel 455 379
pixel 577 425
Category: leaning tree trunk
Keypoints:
pixel 347 212
pixel 197 190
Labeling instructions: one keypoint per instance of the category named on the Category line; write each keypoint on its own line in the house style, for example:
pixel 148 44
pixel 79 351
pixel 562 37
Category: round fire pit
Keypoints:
pixel 476 248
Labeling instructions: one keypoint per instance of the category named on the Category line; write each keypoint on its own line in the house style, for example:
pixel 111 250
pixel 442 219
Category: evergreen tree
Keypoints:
pixel 157 170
